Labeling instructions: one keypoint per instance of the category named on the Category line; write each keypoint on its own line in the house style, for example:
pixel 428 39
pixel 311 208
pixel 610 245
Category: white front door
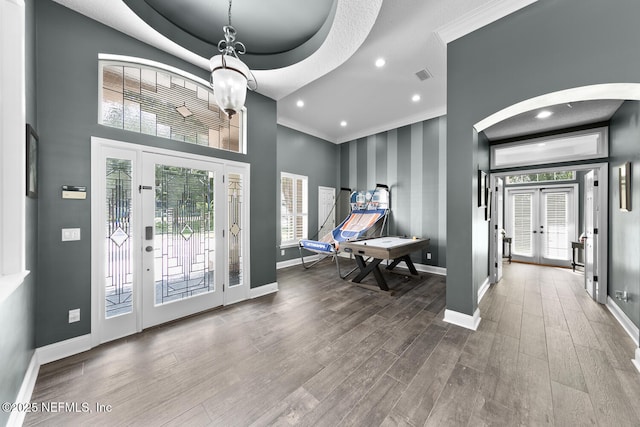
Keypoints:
pixel 183 217
pixel 543 223
pixel 169 236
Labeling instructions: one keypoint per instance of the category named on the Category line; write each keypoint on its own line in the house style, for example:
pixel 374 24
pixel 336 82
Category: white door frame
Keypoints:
pixel 496 225
pixel 603 232
pixel 538 215
pixel 322 215
pixel 98 146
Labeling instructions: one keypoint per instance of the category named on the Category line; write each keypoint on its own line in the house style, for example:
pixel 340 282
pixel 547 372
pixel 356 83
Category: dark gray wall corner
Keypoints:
pixel 68 45
pixel 624 228
pixel 315 158
pixel 545 47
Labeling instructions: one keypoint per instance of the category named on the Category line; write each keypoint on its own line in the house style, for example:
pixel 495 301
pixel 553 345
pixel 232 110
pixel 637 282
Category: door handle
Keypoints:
pixel 149 249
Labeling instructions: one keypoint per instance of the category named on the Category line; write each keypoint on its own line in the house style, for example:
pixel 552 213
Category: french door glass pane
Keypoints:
pixel 522 224
pixel 184 247
pixel 235 193
pixel 118 238
pixel 556 241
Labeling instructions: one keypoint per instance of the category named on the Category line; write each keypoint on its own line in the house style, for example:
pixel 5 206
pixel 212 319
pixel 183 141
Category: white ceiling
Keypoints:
pixel 565 115
pixel 339 81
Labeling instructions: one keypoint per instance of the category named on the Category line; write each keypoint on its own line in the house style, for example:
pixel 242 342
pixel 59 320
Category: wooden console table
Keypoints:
pixel 506 240
pixel 574 246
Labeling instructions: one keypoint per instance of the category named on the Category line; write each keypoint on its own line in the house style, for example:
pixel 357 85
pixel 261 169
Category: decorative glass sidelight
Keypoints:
pixel 184 247
pixel 118 230
pixel 235 193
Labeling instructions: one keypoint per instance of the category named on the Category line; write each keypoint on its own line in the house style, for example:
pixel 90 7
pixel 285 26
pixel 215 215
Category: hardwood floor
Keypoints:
pixel 324 352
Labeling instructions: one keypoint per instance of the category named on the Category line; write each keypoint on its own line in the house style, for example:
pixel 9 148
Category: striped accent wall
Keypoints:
pixel 411 160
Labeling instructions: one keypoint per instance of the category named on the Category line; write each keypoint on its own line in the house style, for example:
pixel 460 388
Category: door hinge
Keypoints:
pixel 496 226
pixel 595 278
pixel 595 231
pixel 223 179
pixel 496 265
pixel 223 287
pixel 223 234
pixel 595 183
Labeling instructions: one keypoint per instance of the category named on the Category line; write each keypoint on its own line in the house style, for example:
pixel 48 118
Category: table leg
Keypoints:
pixel 365 269
pixel 407 260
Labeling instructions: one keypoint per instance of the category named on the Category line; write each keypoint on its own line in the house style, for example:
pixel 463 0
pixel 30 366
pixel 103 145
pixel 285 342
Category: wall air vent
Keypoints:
pixel 423 74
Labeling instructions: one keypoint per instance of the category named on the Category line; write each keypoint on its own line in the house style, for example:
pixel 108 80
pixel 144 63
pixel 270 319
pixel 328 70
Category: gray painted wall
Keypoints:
pixel 545 47
pixel 314 158
pixel 624 227
pixel 17 311
pixel 67 50
pixel 410 161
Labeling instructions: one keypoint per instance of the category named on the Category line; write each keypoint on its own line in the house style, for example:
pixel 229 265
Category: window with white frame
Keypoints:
pixel 12 147
pixel 579 145
pixel 151 98
pixel 294 202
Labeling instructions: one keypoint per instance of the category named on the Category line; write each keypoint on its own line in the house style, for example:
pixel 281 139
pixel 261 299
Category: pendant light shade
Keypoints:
pixel 229 77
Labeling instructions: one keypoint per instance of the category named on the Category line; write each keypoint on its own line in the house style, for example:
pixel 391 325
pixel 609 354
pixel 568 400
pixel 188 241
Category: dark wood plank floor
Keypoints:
pixel 324 352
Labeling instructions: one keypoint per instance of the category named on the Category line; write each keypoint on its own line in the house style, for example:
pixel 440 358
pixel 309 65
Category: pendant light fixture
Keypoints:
pixel 230 77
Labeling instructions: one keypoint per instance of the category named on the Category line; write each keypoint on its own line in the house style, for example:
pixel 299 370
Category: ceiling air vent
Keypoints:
pixel 423 74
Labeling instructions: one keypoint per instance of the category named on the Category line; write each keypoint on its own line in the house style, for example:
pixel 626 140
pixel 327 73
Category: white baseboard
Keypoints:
pixel 463 320
pixel 441 271
pixel 263 290
pixel 636 361
pixel 60 350
pixel 295 261
pixel 483 289
pixel 26 391
pixel 624 320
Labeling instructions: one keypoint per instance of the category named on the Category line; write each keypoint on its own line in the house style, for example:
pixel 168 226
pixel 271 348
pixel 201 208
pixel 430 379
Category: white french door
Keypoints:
pixel 542 223
pixel 169 236
pixel 182 257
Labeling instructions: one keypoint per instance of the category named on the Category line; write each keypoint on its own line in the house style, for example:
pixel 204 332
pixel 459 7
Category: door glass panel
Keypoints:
pixel 118 238
pixel 235 194
pixel 184 244
pixel 556 234
pixel 522 224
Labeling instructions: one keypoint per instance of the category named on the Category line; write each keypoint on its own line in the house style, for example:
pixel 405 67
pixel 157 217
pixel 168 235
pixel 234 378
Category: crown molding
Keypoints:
pixel 291 124
pixel 405 121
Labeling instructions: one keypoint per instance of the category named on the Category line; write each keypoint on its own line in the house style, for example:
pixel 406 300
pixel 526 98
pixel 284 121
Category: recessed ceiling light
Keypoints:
pixel 544 114
pixel 300 103
pixel 541 144
pixel 415 98
pixel 343 123
pixel 380 62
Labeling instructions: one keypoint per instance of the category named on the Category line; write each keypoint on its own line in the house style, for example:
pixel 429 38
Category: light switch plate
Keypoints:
pixel 69 234
pixel 74 315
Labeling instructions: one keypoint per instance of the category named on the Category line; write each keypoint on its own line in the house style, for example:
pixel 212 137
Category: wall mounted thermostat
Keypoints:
pixel 74 192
